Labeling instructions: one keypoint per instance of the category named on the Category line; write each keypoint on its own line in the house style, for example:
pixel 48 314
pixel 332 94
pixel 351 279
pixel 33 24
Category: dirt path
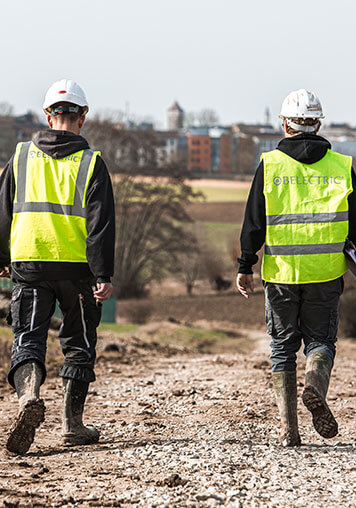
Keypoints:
pixel 183 430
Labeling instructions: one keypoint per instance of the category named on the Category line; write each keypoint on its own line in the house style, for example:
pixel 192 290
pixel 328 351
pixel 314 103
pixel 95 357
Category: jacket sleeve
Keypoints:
pixel 352 209
pixel 254 227
pixel 100 223
pixel 7 191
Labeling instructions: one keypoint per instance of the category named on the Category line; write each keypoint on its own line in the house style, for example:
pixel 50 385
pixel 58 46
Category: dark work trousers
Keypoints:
pixel 32 307
pixel 296 312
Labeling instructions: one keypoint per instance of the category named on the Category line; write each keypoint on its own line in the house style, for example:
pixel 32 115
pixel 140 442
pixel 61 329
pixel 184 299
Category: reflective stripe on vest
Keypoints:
pixel 300 250
pixel 49 212
pixel 303 218
pixel 306 218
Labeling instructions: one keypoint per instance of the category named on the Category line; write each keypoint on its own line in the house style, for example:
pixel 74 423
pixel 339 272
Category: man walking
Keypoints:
pixel 302 205
pixel 57 231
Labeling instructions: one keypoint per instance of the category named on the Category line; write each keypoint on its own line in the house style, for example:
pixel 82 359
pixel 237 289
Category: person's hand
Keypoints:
pixel 5 272
pixel 244 281
pixel 103 292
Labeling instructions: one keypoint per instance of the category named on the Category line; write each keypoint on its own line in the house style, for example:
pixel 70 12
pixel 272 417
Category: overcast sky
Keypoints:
pixel 235 56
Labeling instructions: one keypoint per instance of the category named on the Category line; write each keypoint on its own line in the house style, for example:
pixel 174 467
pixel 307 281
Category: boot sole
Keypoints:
pixel 75 440
pixel 323 419
pixel 22 432
pixel 290 442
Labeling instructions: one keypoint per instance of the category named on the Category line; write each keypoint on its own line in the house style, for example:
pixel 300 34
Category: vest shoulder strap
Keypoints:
pixel 22 150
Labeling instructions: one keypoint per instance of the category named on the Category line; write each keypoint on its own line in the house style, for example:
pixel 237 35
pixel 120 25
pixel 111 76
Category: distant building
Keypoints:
pixel 145 126
pixel 209 150
pixel 173 147
pixel 8 138
pixel 221 149
pixel 199 149
pixel 27 125
pixel 342 138
pixel 338 131
pixel 346 147
pixel 14 129
pixel 251 140
pixel 175 117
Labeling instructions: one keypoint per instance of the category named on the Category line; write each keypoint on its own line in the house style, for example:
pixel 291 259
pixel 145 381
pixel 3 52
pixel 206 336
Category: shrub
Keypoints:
pixel 138 312
pixel 347 314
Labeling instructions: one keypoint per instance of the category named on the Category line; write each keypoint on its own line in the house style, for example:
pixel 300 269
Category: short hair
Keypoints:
pixel 66 111
pixel 310 122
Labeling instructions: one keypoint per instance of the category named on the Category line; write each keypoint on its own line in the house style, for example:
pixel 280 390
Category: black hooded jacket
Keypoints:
pixel 100 217
pixel 305 148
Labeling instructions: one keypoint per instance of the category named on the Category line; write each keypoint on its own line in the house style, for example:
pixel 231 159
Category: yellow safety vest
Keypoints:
pixel 306 217
pixel 49 214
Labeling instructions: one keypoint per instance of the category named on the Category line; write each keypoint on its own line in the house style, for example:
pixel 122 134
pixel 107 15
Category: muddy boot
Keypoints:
pixel 73 430
pixel 285 386
pixel 27 381
pixel 317 376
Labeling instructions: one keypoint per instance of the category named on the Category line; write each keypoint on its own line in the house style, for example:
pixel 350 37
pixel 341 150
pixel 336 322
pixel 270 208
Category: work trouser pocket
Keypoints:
pixel 24 307
pixel 92 312
pixel 16 316
pixel 269 320
pixel 333 325
pixel 91 308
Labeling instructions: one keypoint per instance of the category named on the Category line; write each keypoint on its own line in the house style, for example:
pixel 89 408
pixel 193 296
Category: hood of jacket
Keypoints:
pixel 305 148
pixel 59 144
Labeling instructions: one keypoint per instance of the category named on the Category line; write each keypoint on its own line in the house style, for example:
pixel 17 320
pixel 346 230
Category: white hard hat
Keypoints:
pixel 301 104
pixel 65 90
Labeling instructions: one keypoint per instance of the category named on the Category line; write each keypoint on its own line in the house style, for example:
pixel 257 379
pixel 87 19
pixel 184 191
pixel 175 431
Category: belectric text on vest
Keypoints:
pixel 33 154
pixel 307 180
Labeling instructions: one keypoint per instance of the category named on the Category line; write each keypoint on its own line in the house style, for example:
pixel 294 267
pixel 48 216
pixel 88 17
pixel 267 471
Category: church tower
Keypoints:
pixel 267 117
pixel 175 117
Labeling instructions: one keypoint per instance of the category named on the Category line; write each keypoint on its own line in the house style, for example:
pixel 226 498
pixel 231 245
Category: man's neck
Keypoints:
pixel 67 128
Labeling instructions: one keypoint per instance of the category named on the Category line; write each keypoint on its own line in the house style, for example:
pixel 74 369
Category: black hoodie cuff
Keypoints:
pixel 103 279
pixel 245 268
pixel 246 261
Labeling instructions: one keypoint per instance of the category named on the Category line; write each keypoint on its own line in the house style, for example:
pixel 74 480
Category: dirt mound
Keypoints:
pixel 227 307
pixel 132 349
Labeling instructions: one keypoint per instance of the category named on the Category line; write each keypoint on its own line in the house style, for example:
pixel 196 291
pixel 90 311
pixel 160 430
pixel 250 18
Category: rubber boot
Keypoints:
pixel 73 430
pixel 317 377
pixel 27 381
pixel 285 386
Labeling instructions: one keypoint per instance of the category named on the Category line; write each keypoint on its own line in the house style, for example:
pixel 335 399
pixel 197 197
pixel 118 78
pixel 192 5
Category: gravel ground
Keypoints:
pixel 182 429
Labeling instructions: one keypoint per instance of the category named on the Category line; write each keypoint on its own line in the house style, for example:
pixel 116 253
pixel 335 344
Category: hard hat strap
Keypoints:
pixel 302 127
pixel 63 109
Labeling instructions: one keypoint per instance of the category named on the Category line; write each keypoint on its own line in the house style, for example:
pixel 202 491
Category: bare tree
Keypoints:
pixel 147 119
pixel 150 200
pixel 214 268
pixel 207 117
pixel 189 267
pixel 114 116
pixel 246 156
pixel 6 109
pixel 204 117
pixel 190 119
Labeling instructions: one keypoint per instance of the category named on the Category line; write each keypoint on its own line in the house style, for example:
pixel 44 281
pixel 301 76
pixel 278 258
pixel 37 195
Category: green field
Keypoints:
pixel 118 328
pixel 220 236
pixel 219 195
pixel 220 228
pixel 207 341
